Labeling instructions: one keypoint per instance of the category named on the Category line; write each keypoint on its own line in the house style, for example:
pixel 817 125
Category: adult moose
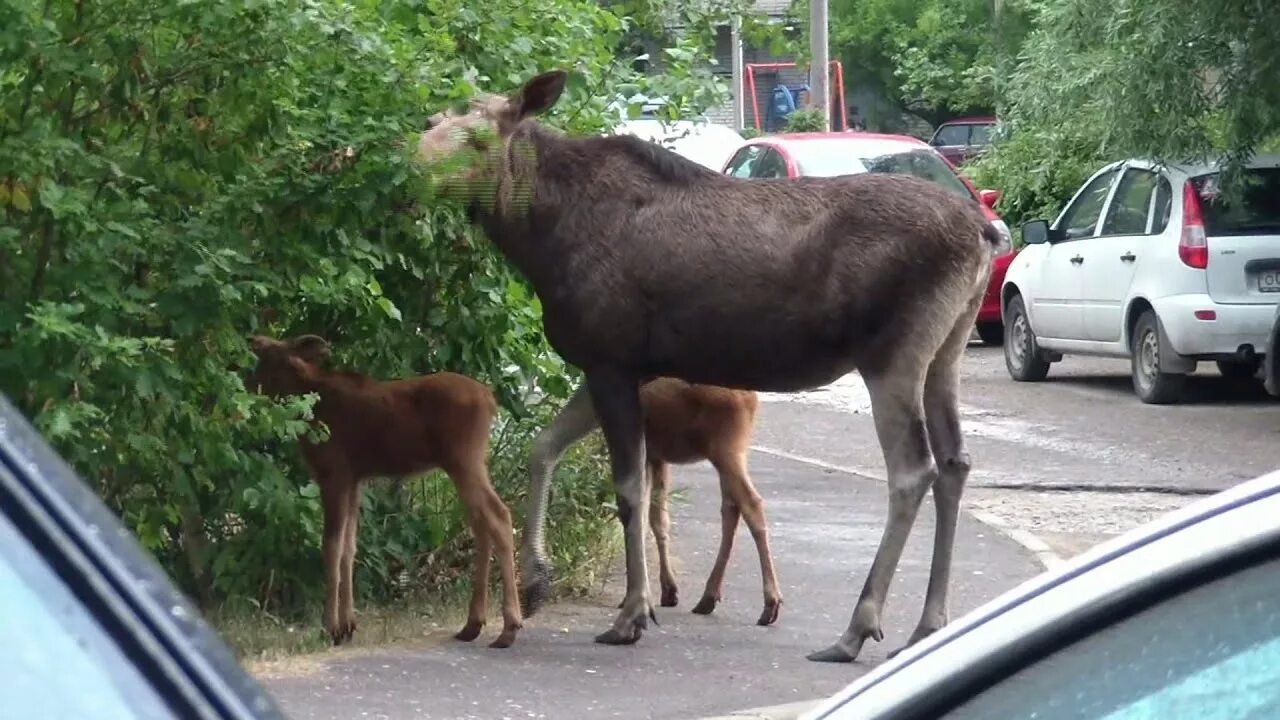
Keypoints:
pixel 649 265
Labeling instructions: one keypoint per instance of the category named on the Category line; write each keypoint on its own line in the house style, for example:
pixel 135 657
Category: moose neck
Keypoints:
pixel 529 197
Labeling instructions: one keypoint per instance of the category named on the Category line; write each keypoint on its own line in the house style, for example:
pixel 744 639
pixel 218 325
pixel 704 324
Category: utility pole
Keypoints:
pixel 818 92
pixel 739 89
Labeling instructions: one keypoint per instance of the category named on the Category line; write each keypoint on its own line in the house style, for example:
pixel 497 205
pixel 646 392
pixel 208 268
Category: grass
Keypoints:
pixel 271 646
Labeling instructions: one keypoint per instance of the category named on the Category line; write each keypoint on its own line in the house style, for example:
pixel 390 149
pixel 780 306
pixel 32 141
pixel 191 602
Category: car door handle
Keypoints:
pixel 1128 257
pixel 1077 260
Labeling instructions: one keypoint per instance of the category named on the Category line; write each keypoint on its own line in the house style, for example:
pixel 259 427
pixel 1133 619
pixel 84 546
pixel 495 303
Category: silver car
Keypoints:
pixel 1177 619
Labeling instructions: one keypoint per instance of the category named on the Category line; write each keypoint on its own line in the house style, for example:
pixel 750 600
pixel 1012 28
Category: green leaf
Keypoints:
pixel 389 308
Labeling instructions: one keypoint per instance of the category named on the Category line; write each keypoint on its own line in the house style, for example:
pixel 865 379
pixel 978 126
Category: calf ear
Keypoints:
pixel 258 343
pixel 311 348
pixel 539 94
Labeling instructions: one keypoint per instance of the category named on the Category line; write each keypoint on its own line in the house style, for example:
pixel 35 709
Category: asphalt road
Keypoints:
pixel 1072 461
pixel 824 528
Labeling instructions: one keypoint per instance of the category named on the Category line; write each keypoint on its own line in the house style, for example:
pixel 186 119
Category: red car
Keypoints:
pixel 963 139
pixel 793 155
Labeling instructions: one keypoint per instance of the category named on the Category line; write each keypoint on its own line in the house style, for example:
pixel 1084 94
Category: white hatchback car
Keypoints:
pixel 1151 262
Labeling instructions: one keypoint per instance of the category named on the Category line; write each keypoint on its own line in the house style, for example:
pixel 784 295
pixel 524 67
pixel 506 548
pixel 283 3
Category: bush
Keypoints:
pixel 806 120
pixel 175 176
pixel 1037 171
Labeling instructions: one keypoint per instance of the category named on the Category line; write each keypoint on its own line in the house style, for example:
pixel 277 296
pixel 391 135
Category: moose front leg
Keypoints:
pixel 616 397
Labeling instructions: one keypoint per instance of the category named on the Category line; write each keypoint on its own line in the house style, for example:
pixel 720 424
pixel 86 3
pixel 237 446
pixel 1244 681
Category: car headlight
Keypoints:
pixel 1007 239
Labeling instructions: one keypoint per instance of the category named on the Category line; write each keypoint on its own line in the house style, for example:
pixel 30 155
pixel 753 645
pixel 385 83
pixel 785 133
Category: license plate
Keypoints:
pixel 1269 281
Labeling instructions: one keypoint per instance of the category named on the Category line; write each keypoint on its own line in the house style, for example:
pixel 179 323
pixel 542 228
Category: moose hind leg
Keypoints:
pixel 616 397
pixel 576 418
pixel 942 416
pixel 897 406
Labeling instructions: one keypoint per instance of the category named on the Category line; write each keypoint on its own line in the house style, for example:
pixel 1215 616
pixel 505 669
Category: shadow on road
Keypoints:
pixel 1200 389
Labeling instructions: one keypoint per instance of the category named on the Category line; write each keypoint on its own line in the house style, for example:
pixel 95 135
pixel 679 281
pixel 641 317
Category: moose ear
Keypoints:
pixel 258 343
pixel 539 94
pixel 311 348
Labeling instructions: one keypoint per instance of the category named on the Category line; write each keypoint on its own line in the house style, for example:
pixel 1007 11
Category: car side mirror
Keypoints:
pixel 1035 232
pixel 989 197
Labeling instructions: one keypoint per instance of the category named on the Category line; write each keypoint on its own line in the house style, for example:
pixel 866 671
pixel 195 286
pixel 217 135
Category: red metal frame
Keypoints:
pixel 755 101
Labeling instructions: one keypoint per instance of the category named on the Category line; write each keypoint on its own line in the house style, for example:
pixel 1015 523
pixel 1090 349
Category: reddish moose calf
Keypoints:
pixel 683 423
pixel 393 429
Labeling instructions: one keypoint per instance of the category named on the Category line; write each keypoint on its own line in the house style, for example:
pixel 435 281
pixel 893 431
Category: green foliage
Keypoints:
pixel 937 58
pixel 1099 81
pixel 175 176
pixel 1154 78
pixel 806 120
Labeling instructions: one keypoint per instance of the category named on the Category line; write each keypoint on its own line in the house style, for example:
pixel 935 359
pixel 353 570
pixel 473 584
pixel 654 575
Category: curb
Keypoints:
pixel 788 711
pixel 1027 540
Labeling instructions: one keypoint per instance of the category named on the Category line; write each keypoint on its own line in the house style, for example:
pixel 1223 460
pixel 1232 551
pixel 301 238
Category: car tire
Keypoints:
pixel 991 333
pixel 1021 354
pixel 1152 386
pixel 1239 370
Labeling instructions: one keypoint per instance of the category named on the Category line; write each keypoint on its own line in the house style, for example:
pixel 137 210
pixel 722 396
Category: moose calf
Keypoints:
pixel 393 429
pixel 683 423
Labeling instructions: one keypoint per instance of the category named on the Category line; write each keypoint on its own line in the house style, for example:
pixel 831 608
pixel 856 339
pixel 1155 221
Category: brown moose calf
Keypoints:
pixel 683 423
pixel 392 429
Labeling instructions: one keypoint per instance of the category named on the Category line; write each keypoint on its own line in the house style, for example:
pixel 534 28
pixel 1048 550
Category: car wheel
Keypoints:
pixel 1151 385
pixel 991 333
pixel 1021 355
pixel 1239 370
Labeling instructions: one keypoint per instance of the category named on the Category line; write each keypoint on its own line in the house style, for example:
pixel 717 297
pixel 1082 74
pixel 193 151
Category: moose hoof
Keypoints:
pixel 705 606
pixel 769 615
pixel 470 631
pixel 835 654
pixel 627 633
pixel 537 590
pixel 670 597
pixel 614 636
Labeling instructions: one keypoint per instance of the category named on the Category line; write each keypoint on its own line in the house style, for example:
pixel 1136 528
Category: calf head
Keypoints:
pixel 464 151
pixel 285 366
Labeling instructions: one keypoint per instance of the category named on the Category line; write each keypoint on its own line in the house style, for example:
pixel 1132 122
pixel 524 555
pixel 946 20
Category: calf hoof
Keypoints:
pixel 706 605
pixel 506 638
pixel 670 598
pixel 772 608
pixel 537 589
pixel 342 632
pixel 469 632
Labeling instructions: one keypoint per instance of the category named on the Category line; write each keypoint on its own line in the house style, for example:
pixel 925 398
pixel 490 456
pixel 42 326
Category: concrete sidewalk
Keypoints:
pixel 824 525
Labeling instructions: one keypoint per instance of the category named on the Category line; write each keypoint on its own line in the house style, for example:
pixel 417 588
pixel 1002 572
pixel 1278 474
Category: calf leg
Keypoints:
pixel 333 497
pixel 347 602
pixel 729 514
pixel 660 524
pixel 575 420
pixel 898 408
pixel 735 481
pixel 478 609
pixel 616 397
pixel 498 518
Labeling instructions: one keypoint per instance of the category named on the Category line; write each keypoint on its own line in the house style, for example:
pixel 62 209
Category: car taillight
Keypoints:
pixel 1193 246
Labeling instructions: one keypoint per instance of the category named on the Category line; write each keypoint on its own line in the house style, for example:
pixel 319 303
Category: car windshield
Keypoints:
pixel 1253 210
pixel 1212 652
pixel 832 158
pixel 58 661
